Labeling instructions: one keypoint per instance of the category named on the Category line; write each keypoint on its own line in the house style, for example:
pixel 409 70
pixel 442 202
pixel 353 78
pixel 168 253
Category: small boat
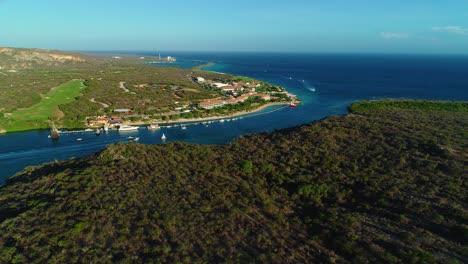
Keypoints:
pixel 184 127
pixel 88 130
pixel 292 105
pixel 127 128
pixel 98 132
pixel 153 127
pixel 79 139
pixel 106 128
pixel 54 134
pixel 163 137
pixel 136 139
pixel 290 78
pixel 222 120
pixel 130 138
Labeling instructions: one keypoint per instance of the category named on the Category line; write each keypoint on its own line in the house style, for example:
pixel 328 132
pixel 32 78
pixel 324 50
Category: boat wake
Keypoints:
pixel 308 86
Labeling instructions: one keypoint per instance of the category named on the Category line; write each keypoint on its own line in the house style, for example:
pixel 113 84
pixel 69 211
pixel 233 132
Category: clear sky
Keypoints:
pixel 422 26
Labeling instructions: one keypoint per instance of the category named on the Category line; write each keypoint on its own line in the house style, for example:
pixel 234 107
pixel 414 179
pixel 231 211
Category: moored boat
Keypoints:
pixel 153 127
pixel 163 137
pixel 54 133
pixel 292 105
pixel 127 128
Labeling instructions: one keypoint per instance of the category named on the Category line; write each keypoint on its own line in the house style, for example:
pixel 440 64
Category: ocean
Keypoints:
pixel 326 84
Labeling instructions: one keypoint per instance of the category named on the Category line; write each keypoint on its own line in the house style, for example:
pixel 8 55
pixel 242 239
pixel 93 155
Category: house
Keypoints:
pixel 239 99
pixel 98 121
pixel 116 120
pixel 92 122
pixel 242 98
pixel 102 120
pixel 232 89
pixel 212 103
pixel 201 79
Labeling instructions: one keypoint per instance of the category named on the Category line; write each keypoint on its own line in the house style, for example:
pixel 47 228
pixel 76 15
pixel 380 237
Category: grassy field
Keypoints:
pixel 38 115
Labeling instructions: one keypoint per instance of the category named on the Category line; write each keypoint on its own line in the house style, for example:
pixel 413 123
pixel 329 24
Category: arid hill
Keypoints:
pixel 386 184
pixel 16 58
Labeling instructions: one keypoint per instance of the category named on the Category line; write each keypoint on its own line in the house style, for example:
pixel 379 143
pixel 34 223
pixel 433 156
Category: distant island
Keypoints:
pixel 39 88
pixel 383 184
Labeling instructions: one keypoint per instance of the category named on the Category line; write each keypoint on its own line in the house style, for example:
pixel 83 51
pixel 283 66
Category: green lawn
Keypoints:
pixel 37 116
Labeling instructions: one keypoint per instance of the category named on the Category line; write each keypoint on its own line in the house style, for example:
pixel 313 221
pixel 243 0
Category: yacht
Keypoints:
pixel 127 128
pixel 163 137
pixel 153 127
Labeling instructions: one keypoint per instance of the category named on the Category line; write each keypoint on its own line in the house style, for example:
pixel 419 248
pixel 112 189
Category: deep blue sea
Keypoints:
pixel 326 84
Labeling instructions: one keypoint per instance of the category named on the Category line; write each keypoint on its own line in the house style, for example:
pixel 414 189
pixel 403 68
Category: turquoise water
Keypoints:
pixel 327 84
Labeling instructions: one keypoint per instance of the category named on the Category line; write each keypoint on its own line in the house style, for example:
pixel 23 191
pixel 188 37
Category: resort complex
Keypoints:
pixel 232 97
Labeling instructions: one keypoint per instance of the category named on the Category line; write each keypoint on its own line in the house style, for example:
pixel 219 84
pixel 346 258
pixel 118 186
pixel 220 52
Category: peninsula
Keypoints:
pixel 76 91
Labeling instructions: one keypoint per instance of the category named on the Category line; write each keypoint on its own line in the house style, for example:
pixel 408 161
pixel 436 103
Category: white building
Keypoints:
pixel 219 85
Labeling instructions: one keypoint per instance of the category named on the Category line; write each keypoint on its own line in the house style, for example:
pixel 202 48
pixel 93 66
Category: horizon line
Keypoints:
pixel 251 51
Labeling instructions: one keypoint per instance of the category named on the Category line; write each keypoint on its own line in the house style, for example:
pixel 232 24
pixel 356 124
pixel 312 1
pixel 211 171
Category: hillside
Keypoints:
pixel 13 59
pixel 385 184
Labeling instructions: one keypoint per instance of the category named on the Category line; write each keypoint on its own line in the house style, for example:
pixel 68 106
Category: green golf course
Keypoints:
pixel 47 109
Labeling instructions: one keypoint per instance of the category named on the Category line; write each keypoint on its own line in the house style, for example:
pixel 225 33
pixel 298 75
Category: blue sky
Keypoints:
pixel 243 25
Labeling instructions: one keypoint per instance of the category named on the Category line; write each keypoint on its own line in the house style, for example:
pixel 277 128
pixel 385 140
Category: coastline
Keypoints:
pixel 210 118
pixel 178 121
